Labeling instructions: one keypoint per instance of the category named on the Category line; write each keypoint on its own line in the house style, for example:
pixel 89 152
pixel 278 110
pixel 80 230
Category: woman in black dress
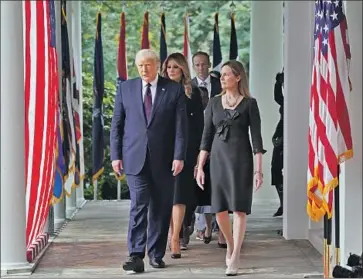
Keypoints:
pixel 277 162
pixel 176 68
pixel 228 119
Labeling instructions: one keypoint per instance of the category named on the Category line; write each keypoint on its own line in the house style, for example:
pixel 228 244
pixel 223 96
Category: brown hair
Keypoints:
pixel 179 59
pixel 238 70
pixel 201 53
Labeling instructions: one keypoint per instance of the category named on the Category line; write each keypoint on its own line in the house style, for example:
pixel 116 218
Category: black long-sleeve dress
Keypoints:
pixel 184 192
pixel 226 137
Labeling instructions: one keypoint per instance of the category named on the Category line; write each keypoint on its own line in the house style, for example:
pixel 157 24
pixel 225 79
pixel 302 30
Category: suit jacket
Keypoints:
pixel 279 99
pixel 195 113
pixel 164 137
pixel 216 87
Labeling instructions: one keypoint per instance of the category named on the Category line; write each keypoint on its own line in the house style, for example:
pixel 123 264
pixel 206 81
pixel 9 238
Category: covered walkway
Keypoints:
pixel 93 244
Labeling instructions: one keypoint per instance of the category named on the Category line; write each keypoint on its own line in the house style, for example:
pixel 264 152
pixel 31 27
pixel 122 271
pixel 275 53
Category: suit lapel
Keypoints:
pixel 195 82
pixel 139 98
pixel 159 95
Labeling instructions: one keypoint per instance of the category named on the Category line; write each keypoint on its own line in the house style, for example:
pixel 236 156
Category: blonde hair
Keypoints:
pixel 147 53
pixel 238 70
pixel 182 63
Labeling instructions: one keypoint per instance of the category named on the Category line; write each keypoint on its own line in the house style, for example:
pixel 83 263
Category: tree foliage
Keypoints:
pixel 201 15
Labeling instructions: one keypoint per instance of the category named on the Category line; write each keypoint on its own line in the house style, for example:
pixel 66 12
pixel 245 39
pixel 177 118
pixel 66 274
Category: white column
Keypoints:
pixel 266 60
pixel 351 177
pixel 59 214
pixel 59 208
pixel 77 41
pixel 316 229
pixel 70 201
pixel 299 20
pixel 13 246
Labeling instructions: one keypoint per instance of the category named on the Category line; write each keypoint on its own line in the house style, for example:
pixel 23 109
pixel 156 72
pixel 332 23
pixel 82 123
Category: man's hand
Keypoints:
pixel 177 167
pixel 117 166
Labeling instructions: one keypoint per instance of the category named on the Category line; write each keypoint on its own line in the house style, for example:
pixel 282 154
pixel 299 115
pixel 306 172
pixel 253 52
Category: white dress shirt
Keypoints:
pixel 206 83
pixel 152 88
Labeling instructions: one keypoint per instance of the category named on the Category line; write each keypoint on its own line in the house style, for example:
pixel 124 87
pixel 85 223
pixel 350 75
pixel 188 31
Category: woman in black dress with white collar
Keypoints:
pixel 230 118
pixel 176 68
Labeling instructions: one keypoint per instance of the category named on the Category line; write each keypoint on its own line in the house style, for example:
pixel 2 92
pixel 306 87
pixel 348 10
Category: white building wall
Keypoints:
pixel 298 53
pixel 299 21
pixel 266 60
pixel 351 209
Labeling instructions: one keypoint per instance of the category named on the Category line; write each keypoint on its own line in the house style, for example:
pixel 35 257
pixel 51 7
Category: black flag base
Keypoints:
pixel 314 276
pixel 354 270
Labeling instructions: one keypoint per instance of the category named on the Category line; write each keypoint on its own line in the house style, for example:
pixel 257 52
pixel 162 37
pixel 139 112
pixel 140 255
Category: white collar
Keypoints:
pixel 207 80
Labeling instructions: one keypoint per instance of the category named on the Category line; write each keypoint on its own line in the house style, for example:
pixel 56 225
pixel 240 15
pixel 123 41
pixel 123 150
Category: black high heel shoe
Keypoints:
pixel 207 239
pixel 175 250
pixel 222 245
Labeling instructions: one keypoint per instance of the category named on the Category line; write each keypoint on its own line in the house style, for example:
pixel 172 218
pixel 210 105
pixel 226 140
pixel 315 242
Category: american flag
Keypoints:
pixel 330 140
pixel 41 91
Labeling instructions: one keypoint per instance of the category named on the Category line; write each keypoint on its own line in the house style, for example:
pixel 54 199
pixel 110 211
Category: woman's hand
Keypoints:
pixel 200 178
pixel 195 172
pixel 258 179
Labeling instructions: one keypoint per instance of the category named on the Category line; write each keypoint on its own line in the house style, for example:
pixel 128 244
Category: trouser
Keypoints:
pixel 150 212
pixel 189 218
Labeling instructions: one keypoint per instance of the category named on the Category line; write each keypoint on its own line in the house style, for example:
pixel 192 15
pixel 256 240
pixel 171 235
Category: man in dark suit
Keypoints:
pixel 277 162
pixel 148 142
pixel 204 78
pixel 201 65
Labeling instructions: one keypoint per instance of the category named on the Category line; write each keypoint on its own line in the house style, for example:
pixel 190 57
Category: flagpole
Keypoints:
pixel 325 252
pixel 337 221
pixel 329 238
pixel 95 189
pixel 118 189
pixel 327 244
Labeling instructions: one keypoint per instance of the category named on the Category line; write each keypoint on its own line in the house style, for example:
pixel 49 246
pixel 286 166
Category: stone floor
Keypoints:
pixel 93 245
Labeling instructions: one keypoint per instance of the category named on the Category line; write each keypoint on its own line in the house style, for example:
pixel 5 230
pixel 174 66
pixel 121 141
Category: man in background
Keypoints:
pixel 204 216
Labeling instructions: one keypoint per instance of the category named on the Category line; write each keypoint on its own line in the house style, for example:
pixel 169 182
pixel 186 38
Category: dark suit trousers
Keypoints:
pixel 151 197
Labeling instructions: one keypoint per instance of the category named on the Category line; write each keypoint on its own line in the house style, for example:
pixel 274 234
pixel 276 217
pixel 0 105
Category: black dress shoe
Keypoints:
pixel 157 263
pixel 279 212
pixel 134 263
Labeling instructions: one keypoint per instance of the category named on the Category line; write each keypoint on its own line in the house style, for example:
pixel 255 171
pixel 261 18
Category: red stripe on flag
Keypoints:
pixel 48 171
pixel 27 79
pixel 39 117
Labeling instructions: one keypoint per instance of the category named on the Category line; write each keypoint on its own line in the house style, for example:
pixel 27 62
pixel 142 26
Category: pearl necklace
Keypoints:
pixel 231 105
